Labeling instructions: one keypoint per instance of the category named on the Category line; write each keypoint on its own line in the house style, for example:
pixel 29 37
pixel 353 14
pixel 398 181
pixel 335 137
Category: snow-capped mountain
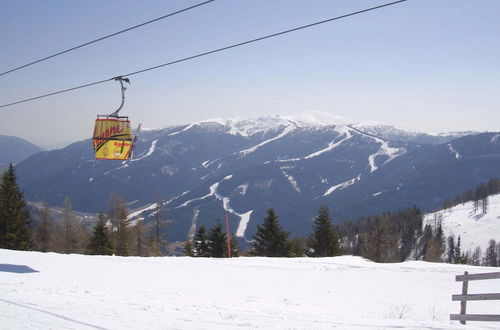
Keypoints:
pixel 392 133
pixel 244 166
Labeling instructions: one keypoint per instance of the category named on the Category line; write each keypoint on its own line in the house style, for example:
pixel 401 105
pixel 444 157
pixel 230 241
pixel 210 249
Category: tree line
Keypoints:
pixel 386 237
pixel 479 196
pixel 400 236
pixel 113 233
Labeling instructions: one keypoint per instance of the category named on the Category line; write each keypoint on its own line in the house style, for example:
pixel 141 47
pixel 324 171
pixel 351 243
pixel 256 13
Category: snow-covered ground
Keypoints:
pixel 474 228
pixel 52 291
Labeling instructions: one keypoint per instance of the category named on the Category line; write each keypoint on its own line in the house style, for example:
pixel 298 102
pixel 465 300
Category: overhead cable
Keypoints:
pixel 105 37
pixel 210 52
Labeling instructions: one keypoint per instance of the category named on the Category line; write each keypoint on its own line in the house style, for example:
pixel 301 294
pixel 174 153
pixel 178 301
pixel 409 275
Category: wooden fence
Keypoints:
pixel 465 296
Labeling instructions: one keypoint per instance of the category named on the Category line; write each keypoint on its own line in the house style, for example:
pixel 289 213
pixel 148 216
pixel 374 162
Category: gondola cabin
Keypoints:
pixel 112 138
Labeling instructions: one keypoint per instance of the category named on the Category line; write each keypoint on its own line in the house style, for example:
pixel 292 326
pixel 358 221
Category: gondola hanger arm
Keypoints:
pixel 123 89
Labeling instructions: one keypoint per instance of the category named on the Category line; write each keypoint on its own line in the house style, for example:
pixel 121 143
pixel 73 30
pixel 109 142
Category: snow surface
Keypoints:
pixel 242 226
pixel 285 131
pixel 213 192
pixel 149 153
pixel 475 229
pixel 53 291
pixel 342 130
pixel 384 150
pixel 342 185
pixel 453 151
pixel 137 213
pixel 334 144
pixel 290 178
pixel 316 118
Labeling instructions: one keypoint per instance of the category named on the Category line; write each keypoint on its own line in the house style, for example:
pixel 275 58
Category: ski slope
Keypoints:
pixel 52 291
pixel 474 228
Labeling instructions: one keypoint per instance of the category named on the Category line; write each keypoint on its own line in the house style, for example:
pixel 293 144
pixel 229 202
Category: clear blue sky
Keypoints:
pixel 428 65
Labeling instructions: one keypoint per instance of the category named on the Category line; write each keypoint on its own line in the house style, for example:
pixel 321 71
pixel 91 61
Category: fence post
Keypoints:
pixel 465 288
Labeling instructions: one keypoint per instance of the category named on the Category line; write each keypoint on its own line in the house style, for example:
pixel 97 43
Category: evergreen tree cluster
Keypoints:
pixel 271 240
pixel 490 257
pixel 15 219
pixel 396 237
pixel 387 237
pixel 111 234
pixel 212 244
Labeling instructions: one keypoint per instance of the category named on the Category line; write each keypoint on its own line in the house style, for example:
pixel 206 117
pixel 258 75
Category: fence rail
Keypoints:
pixel 464 297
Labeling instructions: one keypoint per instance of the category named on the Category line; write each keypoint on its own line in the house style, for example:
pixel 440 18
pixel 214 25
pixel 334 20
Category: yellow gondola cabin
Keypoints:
pixel 112 138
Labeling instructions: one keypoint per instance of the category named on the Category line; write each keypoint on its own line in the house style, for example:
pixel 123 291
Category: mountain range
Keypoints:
pixel 15 149
pixel 244 166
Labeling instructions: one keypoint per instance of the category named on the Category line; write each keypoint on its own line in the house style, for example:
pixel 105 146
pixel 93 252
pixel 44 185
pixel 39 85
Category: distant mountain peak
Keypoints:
pixel 248 126
pixel 317 118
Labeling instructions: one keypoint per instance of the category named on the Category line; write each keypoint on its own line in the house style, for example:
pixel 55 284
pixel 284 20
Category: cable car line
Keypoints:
pixel 263 38
pixel 210 52
pixel 105 37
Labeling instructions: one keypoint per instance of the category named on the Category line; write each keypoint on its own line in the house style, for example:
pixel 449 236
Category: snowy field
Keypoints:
pixel 52 291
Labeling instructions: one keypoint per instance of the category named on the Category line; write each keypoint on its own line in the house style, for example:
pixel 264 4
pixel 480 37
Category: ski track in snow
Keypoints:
pixel 454 152
pixel 331 146
pixel 149 153
pixel 192 229
pixel 384 150
pixel 213 192
pixel 285 132
pixel 290 179
pixel 213 188
pixel 244 217
pixel 176 197
pixel 242 226
pixel 243 189
pixel 184 129
pixel 136 213
pixel 342 185
pixel 226 204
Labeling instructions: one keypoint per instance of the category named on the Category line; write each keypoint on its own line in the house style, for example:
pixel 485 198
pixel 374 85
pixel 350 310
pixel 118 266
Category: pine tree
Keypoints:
pixel 434 245
pixel 458 257
pixel 200 243
pixel 476 257
pixel 484 205
pixel 271 240
pixel 43 232
pixel 189 249
pixel 451 250
pixel 99 241
pixel 15 231
pixel 491 258
pixel 324 241
pixel 122 232
pixel 139 245
pixel 158 240
pixel 217 241
pixel 69 232
pixel 235 252
pixel 298 246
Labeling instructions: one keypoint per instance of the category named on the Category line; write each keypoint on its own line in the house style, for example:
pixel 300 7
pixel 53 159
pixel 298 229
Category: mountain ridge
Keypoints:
pixel 242 167
pixel 15 150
